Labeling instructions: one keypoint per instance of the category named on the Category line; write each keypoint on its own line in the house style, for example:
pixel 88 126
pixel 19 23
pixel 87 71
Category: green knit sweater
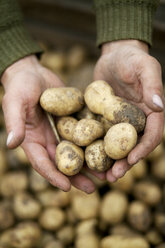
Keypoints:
pixel 116 19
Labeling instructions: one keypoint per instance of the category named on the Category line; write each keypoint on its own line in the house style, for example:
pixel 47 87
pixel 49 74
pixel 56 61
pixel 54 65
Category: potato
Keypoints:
pixel 25 235
pixel 62 101
pixel 120 140
pixel 45 239
pixel 54 198
pixel 100 99
pixel 69 158
pixel 86 227
pixel 85 206
pixel 86 131
pixel 158 167
pixel 54 244
pixel 106 124
pixel 148 192
pixel 66 126
pixel 87 241
pixel 125 183
pixel 139 216
pixel 66 234
pixel 6 215
pixel 119 241
pixel 154 237
pixel 37 182
pixel 113 207
pixel 96 158
pixel 20 155
pixel 160 222
pixel 26 206
pixel 139 170
pixel 52 218
pixel 3 162
pixel 13 182
pixel 157 152
pixel 124 230
pixel 55 61
pixel 75 57
pixel 85 113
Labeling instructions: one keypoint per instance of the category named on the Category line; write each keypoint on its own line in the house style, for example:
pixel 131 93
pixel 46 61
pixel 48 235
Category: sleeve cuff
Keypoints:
pixel 15 44
pixel 120 20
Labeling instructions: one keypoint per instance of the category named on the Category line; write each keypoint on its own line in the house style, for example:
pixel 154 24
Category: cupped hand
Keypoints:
pixel 135 76
pixel 27 124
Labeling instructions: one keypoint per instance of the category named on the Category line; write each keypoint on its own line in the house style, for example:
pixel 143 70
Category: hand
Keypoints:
pixel 26 123
pixel 135 76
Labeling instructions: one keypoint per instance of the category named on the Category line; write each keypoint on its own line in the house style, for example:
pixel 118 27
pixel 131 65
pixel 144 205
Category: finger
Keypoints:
pixel 120 167
pixel 151 80
pixel 40 161
pixel 83 183
pixel 152 136
pixel 99 175
pixel 14 114
pixel 110 177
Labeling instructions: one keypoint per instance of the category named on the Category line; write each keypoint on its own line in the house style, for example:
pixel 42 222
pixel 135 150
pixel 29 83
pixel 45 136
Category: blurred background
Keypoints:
pixel 127 214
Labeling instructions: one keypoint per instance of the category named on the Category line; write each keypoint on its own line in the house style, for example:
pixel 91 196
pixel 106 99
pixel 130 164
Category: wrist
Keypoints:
pixel 18 66
pixel 115 45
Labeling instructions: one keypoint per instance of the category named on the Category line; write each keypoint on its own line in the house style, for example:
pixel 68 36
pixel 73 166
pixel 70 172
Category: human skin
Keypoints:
pixel 135 76
pixel 27 125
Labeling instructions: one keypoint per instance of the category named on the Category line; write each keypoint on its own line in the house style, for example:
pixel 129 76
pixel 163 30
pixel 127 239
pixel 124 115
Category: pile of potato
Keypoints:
pixel 127 214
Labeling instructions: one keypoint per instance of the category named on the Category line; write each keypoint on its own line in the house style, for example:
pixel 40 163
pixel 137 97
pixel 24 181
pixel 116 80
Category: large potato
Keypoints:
pixel 119 241
pixel 120 140
pixel 139 216
pixel 96 158
pixel 62 101
pixel 69 158
pixel 113 207
pixel 100 99
pixel 86 131
pixel 66 126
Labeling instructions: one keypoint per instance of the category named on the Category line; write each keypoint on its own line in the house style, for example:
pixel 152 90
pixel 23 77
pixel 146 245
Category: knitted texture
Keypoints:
pixel 15 42
pixel 124 19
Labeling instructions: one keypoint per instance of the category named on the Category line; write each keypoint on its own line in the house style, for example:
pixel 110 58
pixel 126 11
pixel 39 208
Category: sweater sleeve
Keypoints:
pixel 124 19
pixel 15 42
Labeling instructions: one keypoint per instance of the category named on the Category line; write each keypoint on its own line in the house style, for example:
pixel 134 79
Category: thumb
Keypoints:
pixel 14 114
pixel 151 81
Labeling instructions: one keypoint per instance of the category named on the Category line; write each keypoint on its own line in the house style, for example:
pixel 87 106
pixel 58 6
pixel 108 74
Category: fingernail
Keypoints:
pixel 9 138
pixel 157 101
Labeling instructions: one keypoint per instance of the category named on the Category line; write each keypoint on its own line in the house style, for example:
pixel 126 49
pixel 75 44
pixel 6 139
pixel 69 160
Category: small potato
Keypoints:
pixel 120 140
pixel 139 170
pixel 106 124
pixel 6 215
pixel 25 206
pixel 120 241
pixel 85 206
pixel 62 101
pixel 25 235
pixel 139 216
pixel 37 182
pixel 158 167
pixel 85 113
pixel 154 237
pixel 13 182
pixel 54 60
pixel 160 222
pixel 52 218
pixel 96 158
pixel 113 207
pixel 66 126
pixel 88 241
pixel 69 158
pixel 66 234
pixel 125 183
pixel 54 198
pixel 156 153
pixel 148 192
pixel 100 99
pixel 86 131
pixel 86 227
